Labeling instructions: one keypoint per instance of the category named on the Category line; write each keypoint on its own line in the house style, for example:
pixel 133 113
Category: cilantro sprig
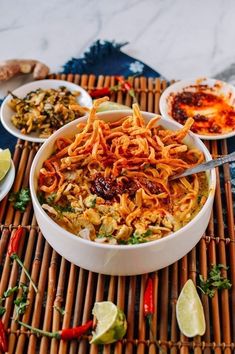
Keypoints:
pixel 10 291
pixel 2 310
pixel 20 199
pixel 215 281
pixel 137 238
pixel 20 302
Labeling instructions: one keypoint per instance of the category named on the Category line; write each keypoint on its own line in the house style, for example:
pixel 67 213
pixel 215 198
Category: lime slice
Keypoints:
pixel 189 311
pixel 5 162
pixel 111 323
pixel 111 106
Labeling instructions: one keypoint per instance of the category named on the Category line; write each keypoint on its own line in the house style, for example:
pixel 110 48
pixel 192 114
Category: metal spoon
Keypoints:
pixel 205 166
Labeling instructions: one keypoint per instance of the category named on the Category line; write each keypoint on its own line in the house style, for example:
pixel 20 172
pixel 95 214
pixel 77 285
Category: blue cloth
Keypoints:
pixel 106 58
pixel 6 139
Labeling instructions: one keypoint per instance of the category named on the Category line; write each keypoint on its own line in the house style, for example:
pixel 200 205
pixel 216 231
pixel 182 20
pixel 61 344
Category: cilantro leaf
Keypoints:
pixel 20 199
pixel 147 233
pixel 104 235
pixel 10 291
pixel 2 311
pixel 137 238
pixel 90 201
pixel 215 281
pixel 20 306
pixel 62 209
pixel 41 198
pixel 21 302
pixel 50 199
pixel 61 310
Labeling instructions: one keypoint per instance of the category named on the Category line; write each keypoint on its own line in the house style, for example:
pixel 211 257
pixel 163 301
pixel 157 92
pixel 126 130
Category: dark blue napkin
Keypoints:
pixel 6 139
pixel 106 58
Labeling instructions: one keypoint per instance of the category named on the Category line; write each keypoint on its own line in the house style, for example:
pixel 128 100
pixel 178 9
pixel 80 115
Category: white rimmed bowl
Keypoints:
pixel 219 87
pixel 84 99
pixel 7 182
pixel 120 259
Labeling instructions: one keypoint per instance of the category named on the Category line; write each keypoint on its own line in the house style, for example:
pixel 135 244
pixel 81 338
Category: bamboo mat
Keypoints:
pixel 62 284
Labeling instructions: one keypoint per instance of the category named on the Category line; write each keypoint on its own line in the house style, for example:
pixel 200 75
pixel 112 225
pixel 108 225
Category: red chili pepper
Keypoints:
pixel 148 300
pixel 13 250
pixel 105 91
pixel 75 332
pixel 149 308
pixel 3 338
pixel 65 334
pixel 15 242
pixel 127 86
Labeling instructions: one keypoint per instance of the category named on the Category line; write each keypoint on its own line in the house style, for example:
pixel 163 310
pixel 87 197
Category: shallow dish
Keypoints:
pixel 7 182
pixel 83 99
pixel 120 259
pixel 219 88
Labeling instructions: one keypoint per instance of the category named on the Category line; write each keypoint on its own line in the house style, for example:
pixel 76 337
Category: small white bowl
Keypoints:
pixel 7 182
pixel 120 259
pixel 222 88
pixel 84 99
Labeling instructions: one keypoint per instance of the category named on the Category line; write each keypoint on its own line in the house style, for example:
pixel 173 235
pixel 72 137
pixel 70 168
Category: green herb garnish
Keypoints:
pixel 62 209
pixel 61 310
pixel 2 308
pixel 20 199
pixel 104 235
pixel 93 203
pixel 51 198
pixel 41 198
pixel 10 291
pixel 2 311
pixel 137 238
pixel 90 201
pixel 21 302
pixel 147 233
pixel 122 242
pixel 215 281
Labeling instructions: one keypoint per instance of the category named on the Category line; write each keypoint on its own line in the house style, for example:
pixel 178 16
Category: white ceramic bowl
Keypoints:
pixel 120 259
pixel 84 99
pixel 221 88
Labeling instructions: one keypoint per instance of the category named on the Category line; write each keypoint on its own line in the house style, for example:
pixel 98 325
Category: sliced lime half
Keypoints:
pixel 111 323
pixel 5 162
pixel 189 311
pixel 111 106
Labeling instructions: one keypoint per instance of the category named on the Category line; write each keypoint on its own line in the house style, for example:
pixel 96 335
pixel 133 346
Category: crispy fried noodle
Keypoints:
pixel 110 183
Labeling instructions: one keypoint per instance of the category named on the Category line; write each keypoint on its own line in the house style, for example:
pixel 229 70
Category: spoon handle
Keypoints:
pixel 206 166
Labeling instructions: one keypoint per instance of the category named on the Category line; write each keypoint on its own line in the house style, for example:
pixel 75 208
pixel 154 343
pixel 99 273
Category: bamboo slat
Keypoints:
pixel 62 285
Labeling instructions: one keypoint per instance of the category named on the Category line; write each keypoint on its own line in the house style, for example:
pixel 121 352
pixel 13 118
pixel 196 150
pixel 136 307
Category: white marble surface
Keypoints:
pixel 180 39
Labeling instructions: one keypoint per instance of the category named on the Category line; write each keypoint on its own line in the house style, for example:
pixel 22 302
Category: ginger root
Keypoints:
pixel 10 68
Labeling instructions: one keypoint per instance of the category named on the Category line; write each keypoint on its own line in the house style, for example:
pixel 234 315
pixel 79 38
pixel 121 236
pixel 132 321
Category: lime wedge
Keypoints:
pixel 111 323
pixel 5 162
pixel 111 106
pixel 189 311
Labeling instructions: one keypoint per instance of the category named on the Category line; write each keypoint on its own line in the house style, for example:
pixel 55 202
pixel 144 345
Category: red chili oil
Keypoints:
pixel 212 113
pixel 109 188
